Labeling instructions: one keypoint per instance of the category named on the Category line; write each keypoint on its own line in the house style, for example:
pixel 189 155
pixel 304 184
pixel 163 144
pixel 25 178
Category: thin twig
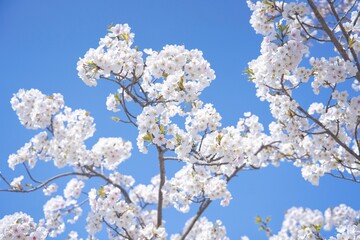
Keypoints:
pixel 45 183
pixel 29 174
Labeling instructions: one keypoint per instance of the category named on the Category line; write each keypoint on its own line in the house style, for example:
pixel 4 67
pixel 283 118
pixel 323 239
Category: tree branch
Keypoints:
pixel 4 179
pixel 205 204
pixel 202 208
pixel 44 183
pixel 161 184
pixel 345 34
pixel 328 30
pixel 29 174
pixel 349 150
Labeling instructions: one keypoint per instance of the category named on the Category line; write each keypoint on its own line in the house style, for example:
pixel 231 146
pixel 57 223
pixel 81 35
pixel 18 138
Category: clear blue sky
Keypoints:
pixel 41 41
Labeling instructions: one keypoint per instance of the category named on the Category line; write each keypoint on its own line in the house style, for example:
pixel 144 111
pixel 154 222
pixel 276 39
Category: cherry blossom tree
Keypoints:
pixel 159 94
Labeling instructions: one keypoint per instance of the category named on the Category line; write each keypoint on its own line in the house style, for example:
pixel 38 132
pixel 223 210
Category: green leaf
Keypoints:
pixel 159 97
pixel 351 42
pixel 165 75
pixel 125 36
pixel 148 137
pixel 267 2
pixel 162 129
pixel 116 119
pixel 218 138
pixel 290 113
pixel 110 26
pixel 249 71
pixel 317 228
pixel 101 192
pixel 178 139
pixel 181 84
pixel 117 97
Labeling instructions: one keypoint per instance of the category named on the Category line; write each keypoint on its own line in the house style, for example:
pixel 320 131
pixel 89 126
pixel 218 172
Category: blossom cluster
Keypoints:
pixel 21 226
pixel 107 205
pixel 260 19
pixel 332 71
pixel 48 190
pixel 65 142
pixel 73 188
pixel 304 223
pixel 167 92
pixel 204 229
pixel 172 81
pixel 64 145
pixel 236 146
pixel 113 56
pixel 147 193
pixel 113 151
pixel 199 185
pixel 34 109
pixel 166 86
pixel 321 138
pixel 185 74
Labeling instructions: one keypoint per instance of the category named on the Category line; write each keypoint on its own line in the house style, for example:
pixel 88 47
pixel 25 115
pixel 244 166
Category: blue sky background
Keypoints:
pixel 41 41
